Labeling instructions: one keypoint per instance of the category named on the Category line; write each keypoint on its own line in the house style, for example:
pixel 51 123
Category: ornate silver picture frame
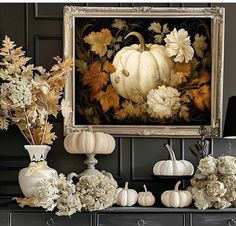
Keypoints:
pixel 183 65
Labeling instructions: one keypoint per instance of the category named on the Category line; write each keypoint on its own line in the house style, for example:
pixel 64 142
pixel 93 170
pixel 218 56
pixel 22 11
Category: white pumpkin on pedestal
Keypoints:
pixel 89 143
pixel 173 167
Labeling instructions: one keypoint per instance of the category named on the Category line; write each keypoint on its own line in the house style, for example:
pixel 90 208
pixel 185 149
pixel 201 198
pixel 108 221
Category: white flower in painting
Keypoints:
pixel 178 44
pixel 66 109
pixel 199 45
pixel 163 102
pixel 120 24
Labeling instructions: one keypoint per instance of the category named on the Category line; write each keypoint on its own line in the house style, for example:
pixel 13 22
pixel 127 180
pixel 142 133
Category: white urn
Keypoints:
pixel 37 170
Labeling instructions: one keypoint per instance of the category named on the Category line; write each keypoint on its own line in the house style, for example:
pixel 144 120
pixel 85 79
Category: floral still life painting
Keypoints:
pixel 143 71
pixel 121 79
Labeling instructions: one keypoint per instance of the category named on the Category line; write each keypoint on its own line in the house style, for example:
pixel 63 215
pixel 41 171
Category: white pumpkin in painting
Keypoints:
pixel 140 67
pixel 146 198
pixel 126 196
pixel 173 167
pixel 176 198
pixel 89 142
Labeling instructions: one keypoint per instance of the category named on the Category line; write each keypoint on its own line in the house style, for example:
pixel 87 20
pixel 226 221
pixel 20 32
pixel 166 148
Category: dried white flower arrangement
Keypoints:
pixel 214 183
pixel 93 192
pixel 29 94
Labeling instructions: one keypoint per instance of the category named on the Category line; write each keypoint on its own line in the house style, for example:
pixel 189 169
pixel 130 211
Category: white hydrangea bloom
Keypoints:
pixel 47 194
pixel 227 165
pixel 18 92
pixel 97 191
pixel 163 102
pixel 178 44
pixel 215 189
pixel 68 202
pixel 208 166
pixel 201 201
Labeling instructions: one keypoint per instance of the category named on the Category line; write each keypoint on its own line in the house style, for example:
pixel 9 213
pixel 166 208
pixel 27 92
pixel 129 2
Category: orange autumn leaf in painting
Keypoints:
pixel 97 76
pixel 108 99
pixel 99 41
pixel 205 78
pixel 185 68
pixel 202 97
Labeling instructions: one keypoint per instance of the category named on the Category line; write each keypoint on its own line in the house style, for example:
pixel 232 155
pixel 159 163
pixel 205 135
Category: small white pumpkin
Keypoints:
pixel 176 198
pixel 173 167
pixel 126 196
pixel 140 67
pixel 89 142
pixel 146 198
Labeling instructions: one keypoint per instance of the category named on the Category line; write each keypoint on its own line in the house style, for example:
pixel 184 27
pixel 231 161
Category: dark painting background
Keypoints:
pixel 39 28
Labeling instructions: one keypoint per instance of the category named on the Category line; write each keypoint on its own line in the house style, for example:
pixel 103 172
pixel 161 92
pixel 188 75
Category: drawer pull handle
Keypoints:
pixel 50 221
pixel 141 222
pixel 231 222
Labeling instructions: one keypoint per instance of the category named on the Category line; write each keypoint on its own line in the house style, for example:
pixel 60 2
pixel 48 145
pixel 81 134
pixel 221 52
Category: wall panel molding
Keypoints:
pixel 37 49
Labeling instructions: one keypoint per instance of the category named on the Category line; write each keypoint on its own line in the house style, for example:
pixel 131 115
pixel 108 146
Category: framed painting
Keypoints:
pixel 145 71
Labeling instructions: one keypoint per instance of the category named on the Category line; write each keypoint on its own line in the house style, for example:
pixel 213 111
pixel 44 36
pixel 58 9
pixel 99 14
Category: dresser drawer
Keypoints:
pixel 214 219
pixel 142 219
pixel 47 219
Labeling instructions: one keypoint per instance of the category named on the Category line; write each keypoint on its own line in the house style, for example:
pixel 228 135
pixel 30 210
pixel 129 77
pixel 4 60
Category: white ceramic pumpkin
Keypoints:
pixel 176 198
pixel 140 67
pixel 88 142
pixel 146 198
pixel 173 167
pixel 126 196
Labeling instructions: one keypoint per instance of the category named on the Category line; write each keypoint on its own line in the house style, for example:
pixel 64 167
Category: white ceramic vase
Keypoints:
pixel 37 170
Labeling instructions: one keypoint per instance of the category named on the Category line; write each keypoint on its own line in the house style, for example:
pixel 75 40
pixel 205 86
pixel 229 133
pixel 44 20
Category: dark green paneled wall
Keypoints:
pixel 39 28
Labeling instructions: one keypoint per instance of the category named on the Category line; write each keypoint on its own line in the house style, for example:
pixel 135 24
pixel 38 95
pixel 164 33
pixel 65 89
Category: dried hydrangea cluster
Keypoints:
pixel 93 192
pixel 55 193
pixel 29 94
pixel 214 183
pixel 97 191
pixel 68 201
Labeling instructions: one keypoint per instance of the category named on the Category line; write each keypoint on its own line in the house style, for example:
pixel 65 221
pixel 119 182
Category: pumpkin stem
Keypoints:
pixel 171 152
pixel 145 187
pixel 143 46
pixel 177 185
pixel 126 185
pixel 90 128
